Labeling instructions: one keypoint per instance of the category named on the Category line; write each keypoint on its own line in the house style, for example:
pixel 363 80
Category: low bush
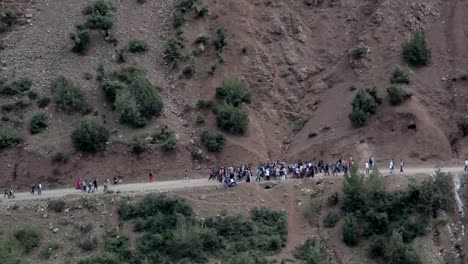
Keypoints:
pixel 16 106
pixel 463 127
pixel 214 142
pixel 28 238
pixel 56 205
pixel 200 120
pixel 169 144
pixel 399 252
pixel 232 119
pixel 137 46
pixel 43 102
pixel 15 87
pixel 88 244
pixel 69 97
pixel 204 104
pixel 364 105
pixel 184 5
pixel 400 76
pixel 100 15
pixel 178 19
pixel 200 10
pixel 331 220
pixel 38 123
pixel 172 50
pixel 89 136
pixel 313 251
pixel 80 39
pixel 165 137
pixel 232 91
pixel 8 137
pixel 220 41
pixel 359 52
pixel 350 231
pixel 9 252
pixel 377 248
pixel 59 157
pixel 121 58
pixel 138 145
pixel 8 16
pixel 203 39
pixel 416 51
pixel 332 200
pixel 397 94
pixel 33 95
pixel 189 70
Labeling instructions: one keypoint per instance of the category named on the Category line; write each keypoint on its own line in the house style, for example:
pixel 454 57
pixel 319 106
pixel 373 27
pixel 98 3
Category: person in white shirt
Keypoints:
pixel 391 166
pixel 367 168
pixel 466 164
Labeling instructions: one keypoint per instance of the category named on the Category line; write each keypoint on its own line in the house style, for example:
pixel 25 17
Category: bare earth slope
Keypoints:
pixel 294 57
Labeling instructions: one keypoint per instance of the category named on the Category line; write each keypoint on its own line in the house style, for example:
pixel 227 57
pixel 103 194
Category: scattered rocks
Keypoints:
pixel 203 197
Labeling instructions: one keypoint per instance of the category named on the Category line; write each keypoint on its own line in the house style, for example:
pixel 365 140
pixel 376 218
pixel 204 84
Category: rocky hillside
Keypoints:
pixel 297 61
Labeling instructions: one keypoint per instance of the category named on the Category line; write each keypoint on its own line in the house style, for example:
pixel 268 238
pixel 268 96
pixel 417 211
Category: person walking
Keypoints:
pixel 151 177
pixel 466 164
pixel 186 178
pixel 391 166
pixel 90 187
pixel 33 188
pixel 367 168
pixel 402 163
pixel 10 193
pixel 39 189
pixel 95 185
pixel 371 162
pixel 106 184
pixel 7 192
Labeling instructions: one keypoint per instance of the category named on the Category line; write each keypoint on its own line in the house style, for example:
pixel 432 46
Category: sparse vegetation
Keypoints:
pixel 88 244
pixel 233 91
pixel 200 10
pixel 89 136
pixel 359 52
pixel 28 238
pixel 416 51
pixel 43 102
pixel 48 250
pixel 134 97
pixel 165 137
pixel 400 76
pixel 200 120
pixel 178 19
pixel 364 105
pixel 172 50
pixel 100 15
pixel 232 119
pixel 8 18
pixel 397 94
pixel 15 87
pixel 220 41
pixel 59 157
pixel 121 56
pixel 33 95
pixel 8 137
pixel 137 46
pixel 189 69
pixel 80 39
pixel 38 123
pixel 203 39
pixel 56 205
pixel 313 251
pixel 205 104
pixel 463 126
pixel 69 97
pixel 331 219
pixel 138 145
pixel 213 142
pixel 350 231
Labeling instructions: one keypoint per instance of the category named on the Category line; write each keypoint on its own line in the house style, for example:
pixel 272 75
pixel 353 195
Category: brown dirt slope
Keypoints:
pixel 296 65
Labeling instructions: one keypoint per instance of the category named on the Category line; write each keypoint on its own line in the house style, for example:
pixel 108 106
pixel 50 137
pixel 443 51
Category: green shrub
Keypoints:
pixel 184 5
pixel 69 97
pixel 376 223
pixel 359 52
pixel 138 145
pixel 8 137
pixel 200 10
pixel 88 202
pixel 9 252
pixel 377 248
pixel 28 238
pixel 331 220
pixel 43 102
pixel 364 105
pixel 8 16
pixel 33 95
pixel 137 45
pixel 88 244
pixel 232 119
pixel 38 123
pixel 172 50
pixel 232 91
pixel 178 19
pixel 89 136
pixel 350 231
pixel 59 157
pixel 214 142
pixel 204 104
pixel 80 40
pixel 203 39
pixel 416 51
pixel 397 94
pixel 125 104
pixel 16 106
pixel 400 76
pixel 121 58
pixel 398 252
pixel 189 70
pixel 169 144
pixel 56 205
pixel 100 15
pixel 162 134
pixel 200 120
pixel 220 41
pixel 15 87
pixel 463 126
pixel 332 200
pixel 312 252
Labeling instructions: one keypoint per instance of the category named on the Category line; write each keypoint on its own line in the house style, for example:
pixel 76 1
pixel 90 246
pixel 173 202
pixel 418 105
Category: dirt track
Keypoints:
pixel 179 184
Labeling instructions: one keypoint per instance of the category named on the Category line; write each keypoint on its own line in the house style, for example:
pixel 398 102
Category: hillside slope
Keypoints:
pixel 293 56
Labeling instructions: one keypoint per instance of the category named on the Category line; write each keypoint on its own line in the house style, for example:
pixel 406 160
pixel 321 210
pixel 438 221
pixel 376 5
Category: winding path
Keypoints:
pixel 180 184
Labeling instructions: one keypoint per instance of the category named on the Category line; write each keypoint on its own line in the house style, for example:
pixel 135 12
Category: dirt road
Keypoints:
pixel 180 184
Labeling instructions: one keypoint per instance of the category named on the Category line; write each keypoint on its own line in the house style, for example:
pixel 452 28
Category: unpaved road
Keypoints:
pixel 180 184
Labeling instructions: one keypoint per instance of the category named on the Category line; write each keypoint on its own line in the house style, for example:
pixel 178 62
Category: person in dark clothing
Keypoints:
pixel 33 188
pixel 95 184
